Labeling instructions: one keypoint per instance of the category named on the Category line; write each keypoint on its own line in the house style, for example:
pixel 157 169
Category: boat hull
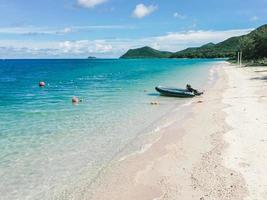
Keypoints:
pixel 174 92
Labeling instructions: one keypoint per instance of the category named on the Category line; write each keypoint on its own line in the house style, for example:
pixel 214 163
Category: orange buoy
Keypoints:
pixel 75 100
pixel 41 84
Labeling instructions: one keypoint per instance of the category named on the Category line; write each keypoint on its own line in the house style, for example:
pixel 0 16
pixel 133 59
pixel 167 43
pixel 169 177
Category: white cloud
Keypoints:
pixel 67 30
pixel 202 36
pixel 111 47
pixel 90 3
pixel 141 10
pixel 254 18
pixel 85 46
pixel 103 48
pixel 178 15
pixel 31 30
pixel 103 27
pixel 180 40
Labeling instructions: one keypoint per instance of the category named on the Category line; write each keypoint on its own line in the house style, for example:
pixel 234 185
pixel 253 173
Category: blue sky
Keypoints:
pixel 107 28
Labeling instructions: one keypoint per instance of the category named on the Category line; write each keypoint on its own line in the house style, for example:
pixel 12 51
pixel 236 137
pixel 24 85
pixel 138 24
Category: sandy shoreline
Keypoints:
pixel 211 155
pixel 247 139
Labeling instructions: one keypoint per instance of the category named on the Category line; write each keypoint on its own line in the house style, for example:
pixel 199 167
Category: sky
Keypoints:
pixel 108 28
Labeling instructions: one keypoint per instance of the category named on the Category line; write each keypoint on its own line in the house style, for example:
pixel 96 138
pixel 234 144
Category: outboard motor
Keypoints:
pixel 190 89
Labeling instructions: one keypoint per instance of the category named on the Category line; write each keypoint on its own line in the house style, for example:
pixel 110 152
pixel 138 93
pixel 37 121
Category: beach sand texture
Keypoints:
pixel 219 152
pixel 247 139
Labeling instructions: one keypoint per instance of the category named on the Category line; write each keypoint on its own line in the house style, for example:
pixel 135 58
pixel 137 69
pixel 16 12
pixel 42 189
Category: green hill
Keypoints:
pixel 146 52
pixel 228 48
pixel 253 46
pixel 224 49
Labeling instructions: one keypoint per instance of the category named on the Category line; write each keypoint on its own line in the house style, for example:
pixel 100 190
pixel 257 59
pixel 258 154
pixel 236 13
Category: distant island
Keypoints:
pixel 91 57
pixel 146 52
pixel 253 46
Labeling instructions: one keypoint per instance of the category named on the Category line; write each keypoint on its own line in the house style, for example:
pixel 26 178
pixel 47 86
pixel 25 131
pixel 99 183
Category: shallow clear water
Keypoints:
pixel 45 141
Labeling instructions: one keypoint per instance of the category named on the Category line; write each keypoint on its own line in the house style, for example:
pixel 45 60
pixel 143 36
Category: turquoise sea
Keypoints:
pixel 46 142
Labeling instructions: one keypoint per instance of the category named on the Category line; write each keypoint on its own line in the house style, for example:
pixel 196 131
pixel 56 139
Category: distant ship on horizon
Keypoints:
pixel 91 57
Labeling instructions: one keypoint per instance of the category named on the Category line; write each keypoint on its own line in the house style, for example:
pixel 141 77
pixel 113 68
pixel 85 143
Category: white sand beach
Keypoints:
pixel 218 152
pixel 247 139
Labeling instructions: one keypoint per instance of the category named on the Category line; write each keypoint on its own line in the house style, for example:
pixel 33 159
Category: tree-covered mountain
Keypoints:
pixel 253 46
pixel 146 52
pixel 227 48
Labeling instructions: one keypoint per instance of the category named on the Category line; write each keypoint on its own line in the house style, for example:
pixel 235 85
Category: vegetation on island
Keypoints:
pixel 252 45
pixel 146 52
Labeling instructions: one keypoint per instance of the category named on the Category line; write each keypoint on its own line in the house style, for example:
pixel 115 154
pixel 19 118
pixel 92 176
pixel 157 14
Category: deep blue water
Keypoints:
pixel 45 140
